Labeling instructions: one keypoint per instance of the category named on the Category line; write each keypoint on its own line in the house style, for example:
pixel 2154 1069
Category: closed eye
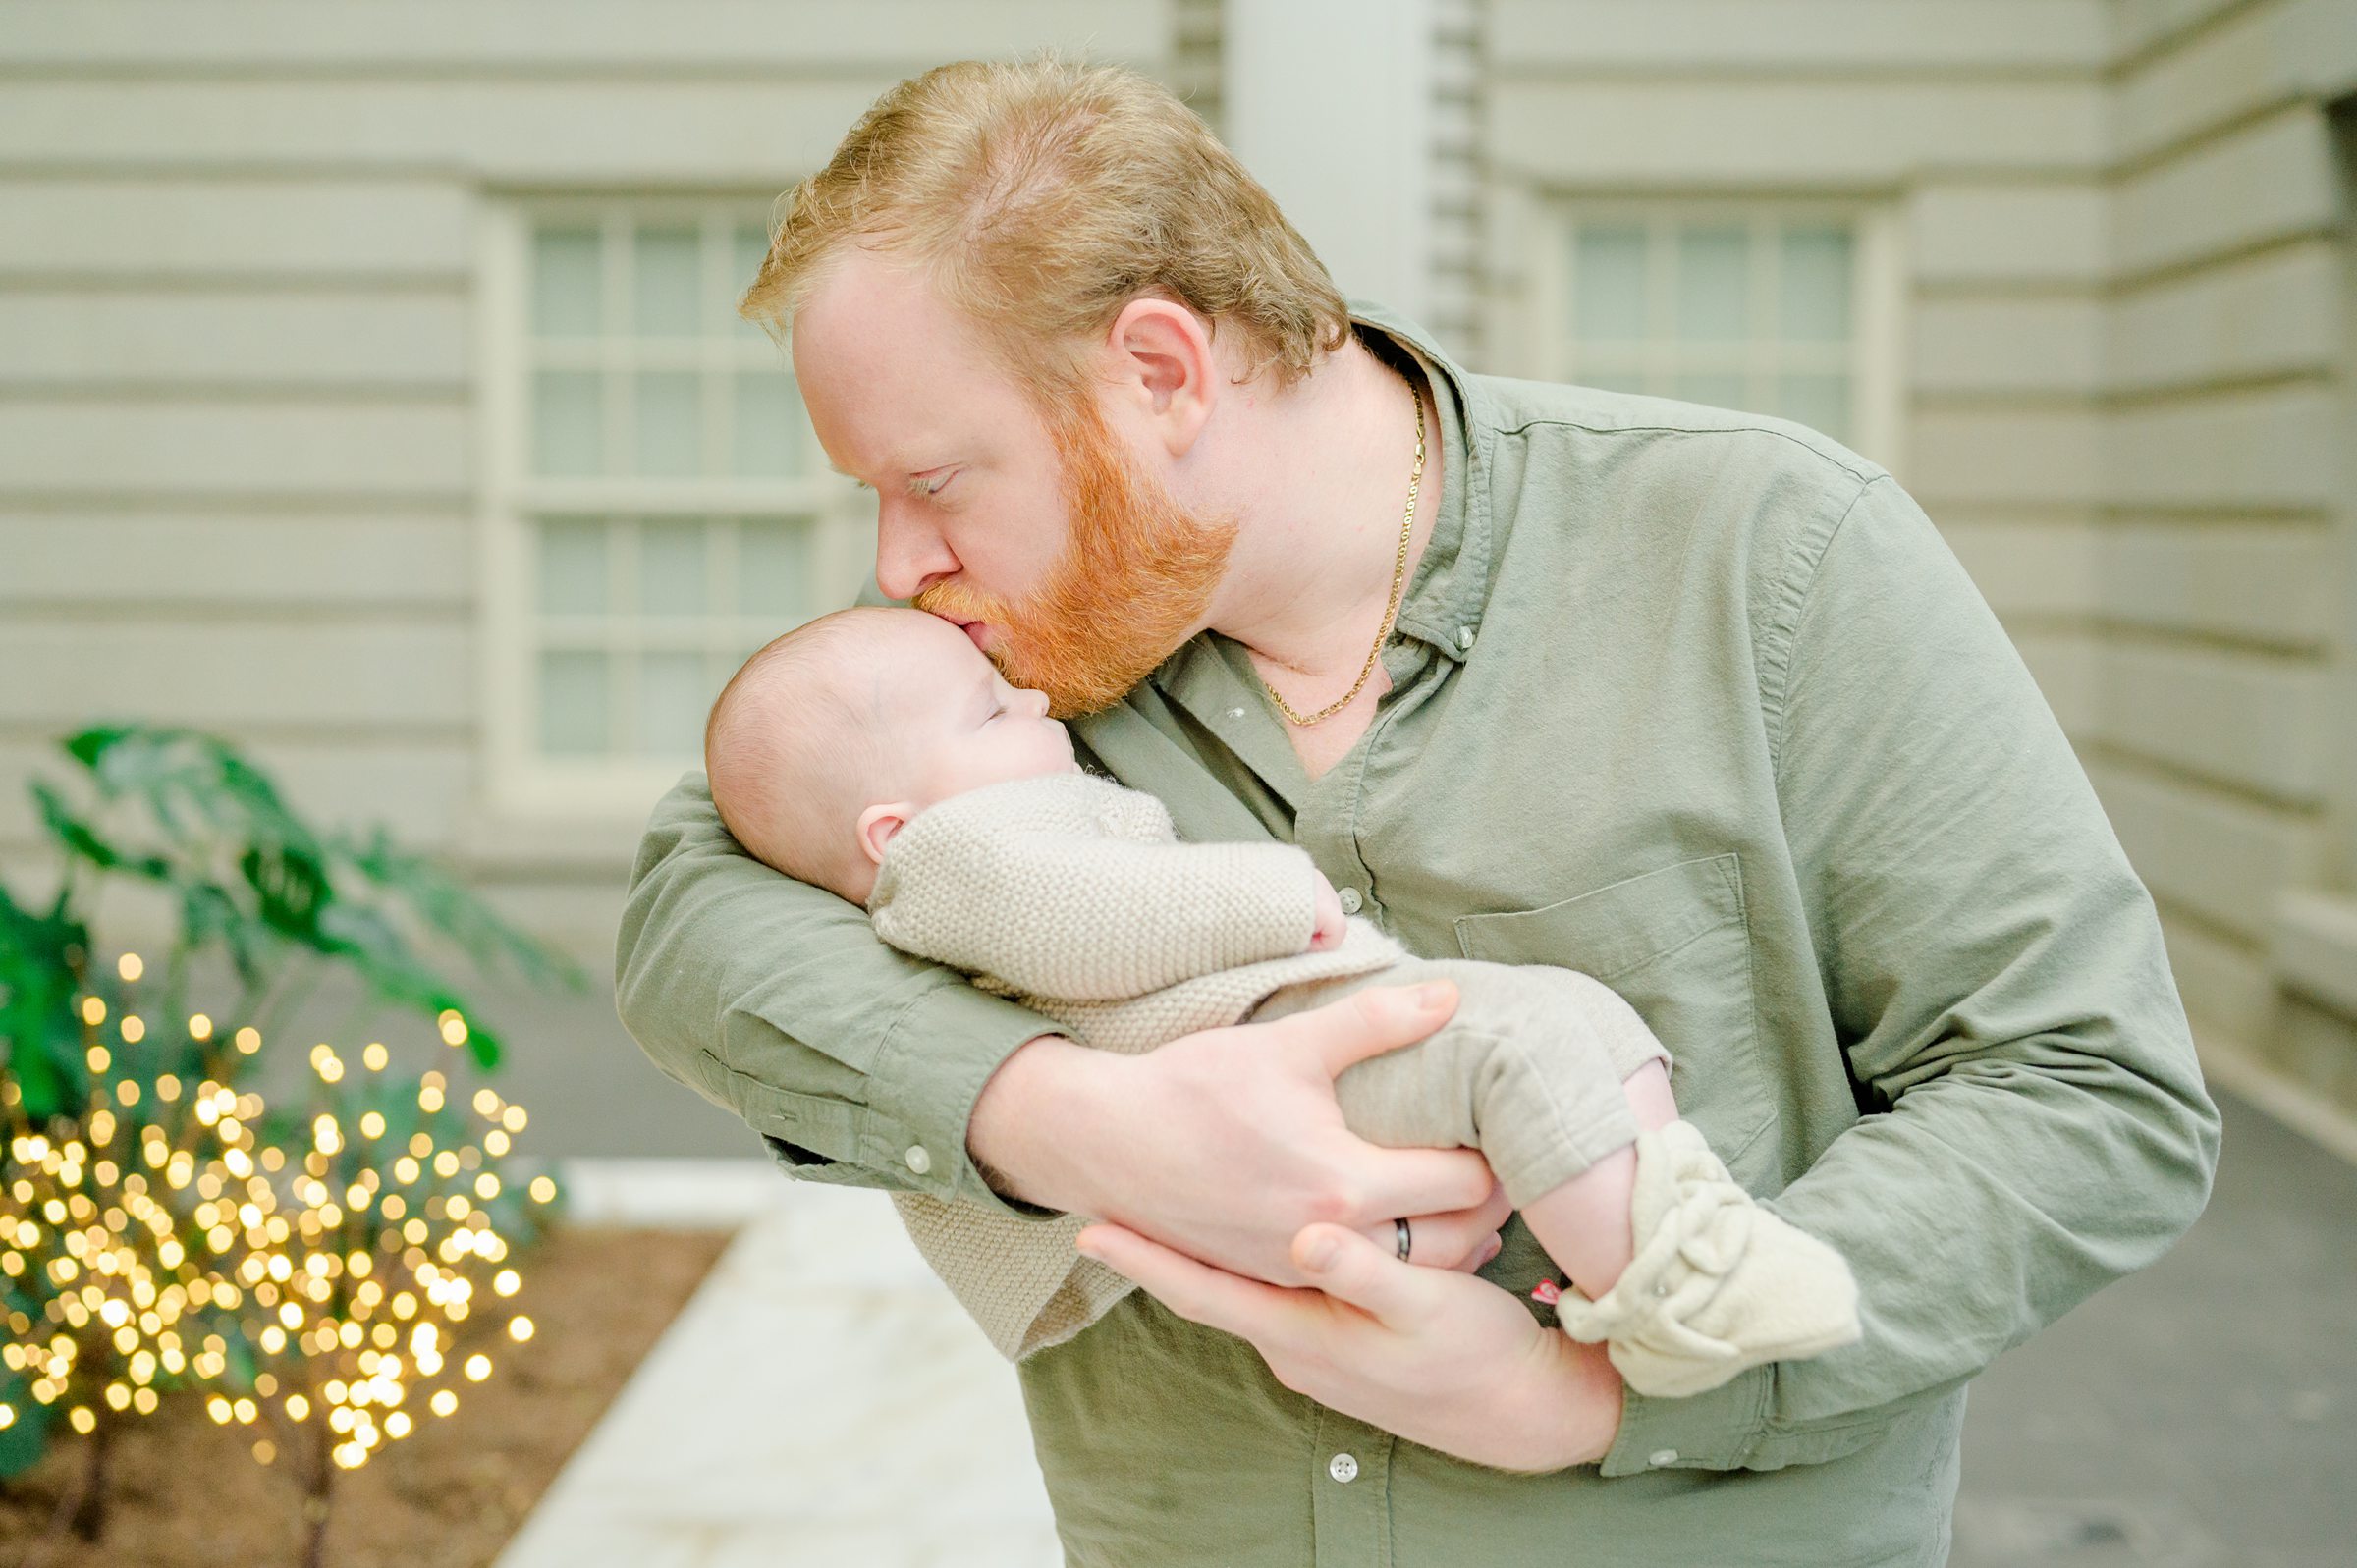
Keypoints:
pixel 922 485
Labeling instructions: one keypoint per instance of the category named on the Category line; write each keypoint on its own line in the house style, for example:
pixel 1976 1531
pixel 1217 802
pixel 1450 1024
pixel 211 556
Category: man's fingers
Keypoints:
pixel 1367 1023
pixel 1349 1268
pixel 1193 1290
pixel 1426 1181
pixel 1463 1239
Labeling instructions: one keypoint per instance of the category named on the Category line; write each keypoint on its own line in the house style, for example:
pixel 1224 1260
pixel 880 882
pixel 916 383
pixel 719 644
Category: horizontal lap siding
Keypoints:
pixel 254 232
pixel 1768 35
pixel 2223 354
pixel 237 413
pixel 157 339
pixel 1798 134
pixel 2273 314
pixel 345 675
pixel 518 129
pixel 784 40
pixel 1983 123
pixel 2125 360
pixel 239 410
pixel 282 562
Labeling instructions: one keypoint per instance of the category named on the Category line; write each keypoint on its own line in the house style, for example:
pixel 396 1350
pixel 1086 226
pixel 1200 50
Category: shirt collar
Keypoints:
pixel 1444 599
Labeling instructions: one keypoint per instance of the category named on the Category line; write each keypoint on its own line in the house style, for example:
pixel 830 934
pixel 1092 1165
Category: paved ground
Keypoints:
pixel 2201 1413
pixel 821 1401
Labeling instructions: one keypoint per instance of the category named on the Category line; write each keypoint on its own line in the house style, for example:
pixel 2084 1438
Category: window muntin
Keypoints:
pixel 661 503
pixel 1769 308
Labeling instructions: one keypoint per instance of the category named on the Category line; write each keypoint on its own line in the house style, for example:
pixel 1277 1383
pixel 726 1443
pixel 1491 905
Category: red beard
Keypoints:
pixel 1132 584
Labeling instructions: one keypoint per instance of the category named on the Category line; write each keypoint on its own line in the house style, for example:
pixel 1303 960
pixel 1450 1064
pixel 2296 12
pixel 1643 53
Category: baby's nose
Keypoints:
pixel 1038 701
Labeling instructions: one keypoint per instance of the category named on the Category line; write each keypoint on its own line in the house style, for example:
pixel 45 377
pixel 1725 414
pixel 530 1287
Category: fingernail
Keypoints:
pixel 1431 994
pixel 1320 1253
pixel 1089 1249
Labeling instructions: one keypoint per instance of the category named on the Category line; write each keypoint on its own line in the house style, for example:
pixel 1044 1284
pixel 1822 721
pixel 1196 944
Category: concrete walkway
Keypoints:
pixel 822 1401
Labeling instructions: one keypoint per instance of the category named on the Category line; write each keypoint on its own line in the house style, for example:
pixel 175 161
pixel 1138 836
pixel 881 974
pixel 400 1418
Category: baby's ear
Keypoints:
pixel 877 824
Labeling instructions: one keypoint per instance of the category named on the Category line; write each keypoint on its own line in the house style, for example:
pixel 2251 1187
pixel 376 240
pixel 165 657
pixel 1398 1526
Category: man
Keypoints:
pixel 1694 701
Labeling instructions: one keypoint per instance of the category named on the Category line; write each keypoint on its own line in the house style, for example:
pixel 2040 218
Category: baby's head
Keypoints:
pixel 839 731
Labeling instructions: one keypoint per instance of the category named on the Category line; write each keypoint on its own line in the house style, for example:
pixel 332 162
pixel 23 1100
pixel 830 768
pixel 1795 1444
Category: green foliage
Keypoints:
pixel 186 814
pixel 282 901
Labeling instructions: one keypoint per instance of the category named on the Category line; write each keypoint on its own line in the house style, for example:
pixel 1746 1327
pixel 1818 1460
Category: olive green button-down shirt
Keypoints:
pixel 1697 702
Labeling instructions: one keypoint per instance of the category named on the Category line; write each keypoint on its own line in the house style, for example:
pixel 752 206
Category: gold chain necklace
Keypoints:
pixel 1407 528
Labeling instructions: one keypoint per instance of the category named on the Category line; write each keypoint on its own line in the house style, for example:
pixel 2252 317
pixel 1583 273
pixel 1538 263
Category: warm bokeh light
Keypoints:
pixel 322 1277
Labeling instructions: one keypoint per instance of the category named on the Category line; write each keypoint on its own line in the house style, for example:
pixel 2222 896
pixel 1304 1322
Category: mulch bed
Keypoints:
pixel 188 1493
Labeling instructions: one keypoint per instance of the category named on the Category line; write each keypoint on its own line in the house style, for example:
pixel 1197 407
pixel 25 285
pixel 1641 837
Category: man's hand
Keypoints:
pixel 1439 1358
pixel 1224 1143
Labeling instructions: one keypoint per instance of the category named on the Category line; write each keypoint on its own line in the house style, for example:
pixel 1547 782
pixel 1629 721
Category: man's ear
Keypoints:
pixel 1163 365
pixel 877 824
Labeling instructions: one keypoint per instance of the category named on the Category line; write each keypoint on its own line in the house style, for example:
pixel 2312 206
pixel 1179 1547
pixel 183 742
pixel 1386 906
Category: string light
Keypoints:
pixel 140 1239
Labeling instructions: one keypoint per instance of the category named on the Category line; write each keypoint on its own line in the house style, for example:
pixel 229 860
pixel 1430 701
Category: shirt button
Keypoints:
pixel 1342 1468
pixel 1662 1457
pixel 1349 899
pixel 1464 638
pixel 918 1160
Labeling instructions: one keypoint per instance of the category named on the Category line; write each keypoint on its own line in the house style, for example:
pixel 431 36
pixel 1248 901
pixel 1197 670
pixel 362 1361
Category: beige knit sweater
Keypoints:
pixel 1074 895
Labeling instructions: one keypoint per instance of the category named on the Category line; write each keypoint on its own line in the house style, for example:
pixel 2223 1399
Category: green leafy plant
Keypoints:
pixel 129 1129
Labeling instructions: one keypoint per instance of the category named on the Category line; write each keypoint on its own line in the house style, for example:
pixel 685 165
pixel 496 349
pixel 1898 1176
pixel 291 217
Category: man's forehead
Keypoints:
pixel 888 369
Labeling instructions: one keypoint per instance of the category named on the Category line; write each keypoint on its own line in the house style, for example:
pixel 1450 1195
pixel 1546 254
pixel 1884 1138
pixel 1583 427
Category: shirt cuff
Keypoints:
pixel 1715 1430
pixel 934 1061
pixel 931 1062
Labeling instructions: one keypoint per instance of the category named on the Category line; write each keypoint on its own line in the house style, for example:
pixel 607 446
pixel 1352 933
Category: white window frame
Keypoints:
pixel 520 782
pixel 1877 359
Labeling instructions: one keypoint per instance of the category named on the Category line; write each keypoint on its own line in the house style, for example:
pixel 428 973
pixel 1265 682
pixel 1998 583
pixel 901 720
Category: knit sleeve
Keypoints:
pixel 1051 888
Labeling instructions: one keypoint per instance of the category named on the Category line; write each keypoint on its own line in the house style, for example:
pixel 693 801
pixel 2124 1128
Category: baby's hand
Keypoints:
pixel 1326 934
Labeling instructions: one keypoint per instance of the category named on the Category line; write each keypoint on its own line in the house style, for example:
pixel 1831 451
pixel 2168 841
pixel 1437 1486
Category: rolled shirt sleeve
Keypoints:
pixel 2037 1123
pixel 777 1001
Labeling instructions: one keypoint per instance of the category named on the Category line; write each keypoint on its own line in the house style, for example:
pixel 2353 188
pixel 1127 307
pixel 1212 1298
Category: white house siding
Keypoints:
pixel 1977 125
pixel 2127 378
pixel 240 411
pixel 2222 609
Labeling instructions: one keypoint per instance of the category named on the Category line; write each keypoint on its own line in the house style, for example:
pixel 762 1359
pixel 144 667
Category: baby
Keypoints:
pixel 876 752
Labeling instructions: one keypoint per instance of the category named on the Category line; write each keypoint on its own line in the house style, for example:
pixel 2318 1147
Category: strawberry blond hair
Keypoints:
pixel 1042 196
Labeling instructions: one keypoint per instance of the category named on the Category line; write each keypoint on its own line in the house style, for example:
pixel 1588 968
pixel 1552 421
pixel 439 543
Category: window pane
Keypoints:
pixel 574 703
pixel 1821 402
pixel 1815 285
pixel 773 571
pixel 670 433
pixel 672 696
pixel 768 425
pixel 567 413
pixel 1717 389
pixel 1608 299
pixel 566 286
pixel 669 300
pixel 1713 282
pixel 573 565
pixel 671 569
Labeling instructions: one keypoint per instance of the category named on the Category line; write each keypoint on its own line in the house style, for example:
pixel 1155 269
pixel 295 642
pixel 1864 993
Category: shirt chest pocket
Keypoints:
pixel 1675 943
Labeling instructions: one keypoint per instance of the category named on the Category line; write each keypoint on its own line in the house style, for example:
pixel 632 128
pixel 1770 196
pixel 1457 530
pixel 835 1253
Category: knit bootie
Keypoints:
pixel 1718 1282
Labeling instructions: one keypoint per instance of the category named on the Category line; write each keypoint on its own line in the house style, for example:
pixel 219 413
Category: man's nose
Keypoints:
pixel 910 555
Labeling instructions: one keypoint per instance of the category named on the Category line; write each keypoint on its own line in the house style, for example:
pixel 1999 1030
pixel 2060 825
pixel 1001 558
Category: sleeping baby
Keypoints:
pixel 878 753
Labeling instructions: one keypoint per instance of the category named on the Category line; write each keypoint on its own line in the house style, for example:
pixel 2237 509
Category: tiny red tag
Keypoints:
pixel 1547 1291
